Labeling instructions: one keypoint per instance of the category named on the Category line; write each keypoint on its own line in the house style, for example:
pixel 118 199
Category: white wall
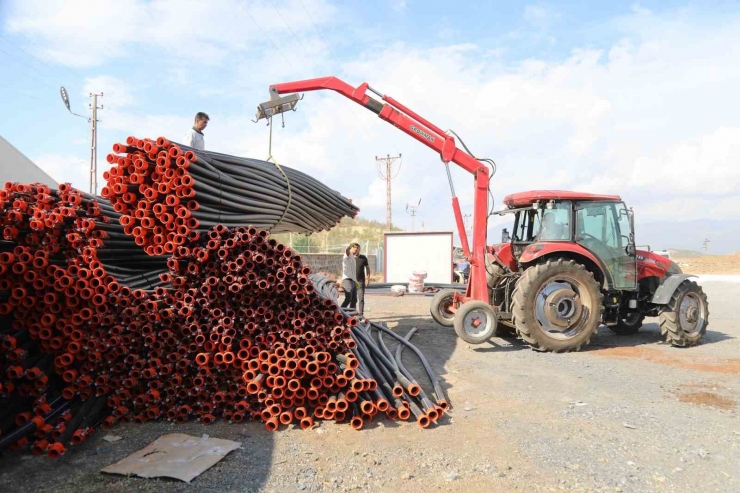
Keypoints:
pixel 14 166
pixel 409 252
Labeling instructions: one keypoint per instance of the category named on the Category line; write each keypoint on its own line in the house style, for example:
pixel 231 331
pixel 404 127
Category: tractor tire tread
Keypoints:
pixel 670 325
pixel 525 327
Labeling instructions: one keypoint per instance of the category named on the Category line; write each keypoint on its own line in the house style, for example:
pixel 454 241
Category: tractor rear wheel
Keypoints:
pixel 557 306
pixel 495 276
pixel 440 307
pixel 629 324
pixel 684 319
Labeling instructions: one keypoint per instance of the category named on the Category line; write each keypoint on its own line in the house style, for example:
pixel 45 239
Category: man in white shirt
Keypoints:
pixel 194 137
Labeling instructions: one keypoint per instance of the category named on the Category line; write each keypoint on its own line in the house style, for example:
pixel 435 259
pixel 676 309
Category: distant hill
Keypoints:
pixel 724 235
pixel 369 234
pixel 686 238
pixel 686 254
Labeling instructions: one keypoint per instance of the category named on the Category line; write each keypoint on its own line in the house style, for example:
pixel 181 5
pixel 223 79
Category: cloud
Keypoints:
pixel 652 116
pixel 398 5
pixel 113 89
pixel 708 165
pixel 66 169
pixel 540 15
pixel 89 33
pixel 649 117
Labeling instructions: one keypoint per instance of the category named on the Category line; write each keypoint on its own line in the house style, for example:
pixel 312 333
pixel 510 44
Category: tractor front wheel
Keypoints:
pixel 475 322
pixel 684 320
pixel 557 306
pixel 629 324
pixel 440 307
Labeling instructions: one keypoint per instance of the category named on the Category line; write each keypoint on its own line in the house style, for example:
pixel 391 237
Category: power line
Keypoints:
pixel 289 28
pixel 29 66
pixel 323 40
pixel 244 8
pixel 21 92
pixel 29 54
pixel 40 48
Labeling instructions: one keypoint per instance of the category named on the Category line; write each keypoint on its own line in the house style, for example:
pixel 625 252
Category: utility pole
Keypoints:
pixel 411 209
pixel 468 232
pixel 94 146
pixel 387 176
pixel 93 120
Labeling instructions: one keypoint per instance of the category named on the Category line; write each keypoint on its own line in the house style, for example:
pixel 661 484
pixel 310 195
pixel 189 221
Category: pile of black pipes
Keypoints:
pixel 378 362
pixel 165 192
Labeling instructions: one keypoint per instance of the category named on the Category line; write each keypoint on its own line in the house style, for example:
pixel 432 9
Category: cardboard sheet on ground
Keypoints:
pixel 177 456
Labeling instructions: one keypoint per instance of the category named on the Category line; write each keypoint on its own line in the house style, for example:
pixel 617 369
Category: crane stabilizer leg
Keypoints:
pixel 423 131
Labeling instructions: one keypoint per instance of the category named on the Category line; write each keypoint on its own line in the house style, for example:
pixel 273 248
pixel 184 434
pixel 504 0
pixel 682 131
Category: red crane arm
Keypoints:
pixel 432 136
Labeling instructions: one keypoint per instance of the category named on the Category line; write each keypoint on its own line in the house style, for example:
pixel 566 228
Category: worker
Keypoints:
pixel 194 137
pixel 349 274
pixel 551 229
pixel 363 280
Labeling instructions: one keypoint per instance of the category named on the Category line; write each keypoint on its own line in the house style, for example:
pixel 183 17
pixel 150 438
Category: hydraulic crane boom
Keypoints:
pixel 425 132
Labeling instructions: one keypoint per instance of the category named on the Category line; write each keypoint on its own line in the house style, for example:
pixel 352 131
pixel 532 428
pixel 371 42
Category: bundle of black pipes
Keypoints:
pixel 166 191
pixel 378 362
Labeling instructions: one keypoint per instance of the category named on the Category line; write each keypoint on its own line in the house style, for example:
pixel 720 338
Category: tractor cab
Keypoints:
pixel 596 230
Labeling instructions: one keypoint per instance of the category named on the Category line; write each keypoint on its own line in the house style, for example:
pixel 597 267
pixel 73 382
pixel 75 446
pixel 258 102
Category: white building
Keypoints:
pixel 14 166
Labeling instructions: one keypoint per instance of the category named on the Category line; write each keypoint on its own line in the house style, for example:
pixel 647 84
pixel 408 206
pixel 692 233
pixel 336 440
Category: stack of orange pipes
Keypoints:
pixel 95 331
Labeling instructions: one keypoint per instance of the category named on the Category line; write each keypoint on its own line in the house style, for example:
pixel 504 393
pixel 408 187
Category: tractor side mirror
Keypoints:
pixel 631 250
pixel 505 236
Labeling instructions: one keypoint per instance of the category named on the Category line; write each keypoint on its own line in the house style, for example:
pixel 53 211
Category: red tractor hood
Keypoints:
pixel 650 264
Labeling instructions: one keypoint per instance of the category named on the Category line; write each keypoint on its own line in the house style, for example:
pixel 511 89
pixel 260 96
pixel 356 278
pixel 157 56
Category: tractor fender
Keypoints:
pixel 667 287
pixel 538 251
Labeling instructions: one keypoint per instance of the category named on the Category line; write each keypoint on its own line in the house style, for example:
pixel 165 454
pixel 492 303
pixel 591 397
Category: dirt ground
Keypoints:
pixel 710 264
pixel 628 414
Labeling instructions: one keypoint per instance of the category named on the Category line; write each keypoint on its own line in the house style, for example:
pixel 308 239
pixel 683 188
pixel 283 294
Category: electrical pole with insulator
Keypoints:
pixel 411 209
pixel 93 120
pixel 387 175
pixel 94 146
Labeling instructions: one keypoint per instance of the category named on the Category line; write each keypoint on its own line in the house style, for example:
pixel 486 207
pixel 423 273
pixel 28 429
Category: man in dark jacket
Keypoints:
pixel 363 279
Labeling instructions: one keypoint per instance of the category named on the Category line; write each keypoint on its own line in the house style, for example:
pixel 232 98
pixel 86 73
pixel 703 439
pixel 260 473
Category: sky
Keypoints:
pixel 635 99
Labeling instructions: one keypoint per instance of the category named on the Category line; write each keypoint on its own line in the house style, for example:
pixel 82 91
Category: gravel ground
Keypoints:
pixel 628 414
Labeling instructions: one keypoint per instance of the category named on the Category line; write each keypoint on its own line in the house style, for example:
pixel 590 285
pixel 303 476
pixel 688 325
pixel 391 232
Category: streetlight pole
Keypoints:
pixel 93 120
pixel 94 144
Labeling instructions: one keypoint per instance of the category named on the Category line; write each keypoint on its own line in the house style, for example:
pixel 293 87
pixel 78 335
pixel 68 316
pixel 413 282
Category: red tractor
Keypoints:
pixel 570 265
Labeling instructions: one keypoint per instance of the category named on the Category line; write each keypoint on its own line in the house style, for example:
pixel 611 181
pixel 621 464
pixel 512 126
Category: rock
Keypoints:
pixel 703 454
pixel 453 476
pixel 407 476
pixel 468 407
pixel 631 427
